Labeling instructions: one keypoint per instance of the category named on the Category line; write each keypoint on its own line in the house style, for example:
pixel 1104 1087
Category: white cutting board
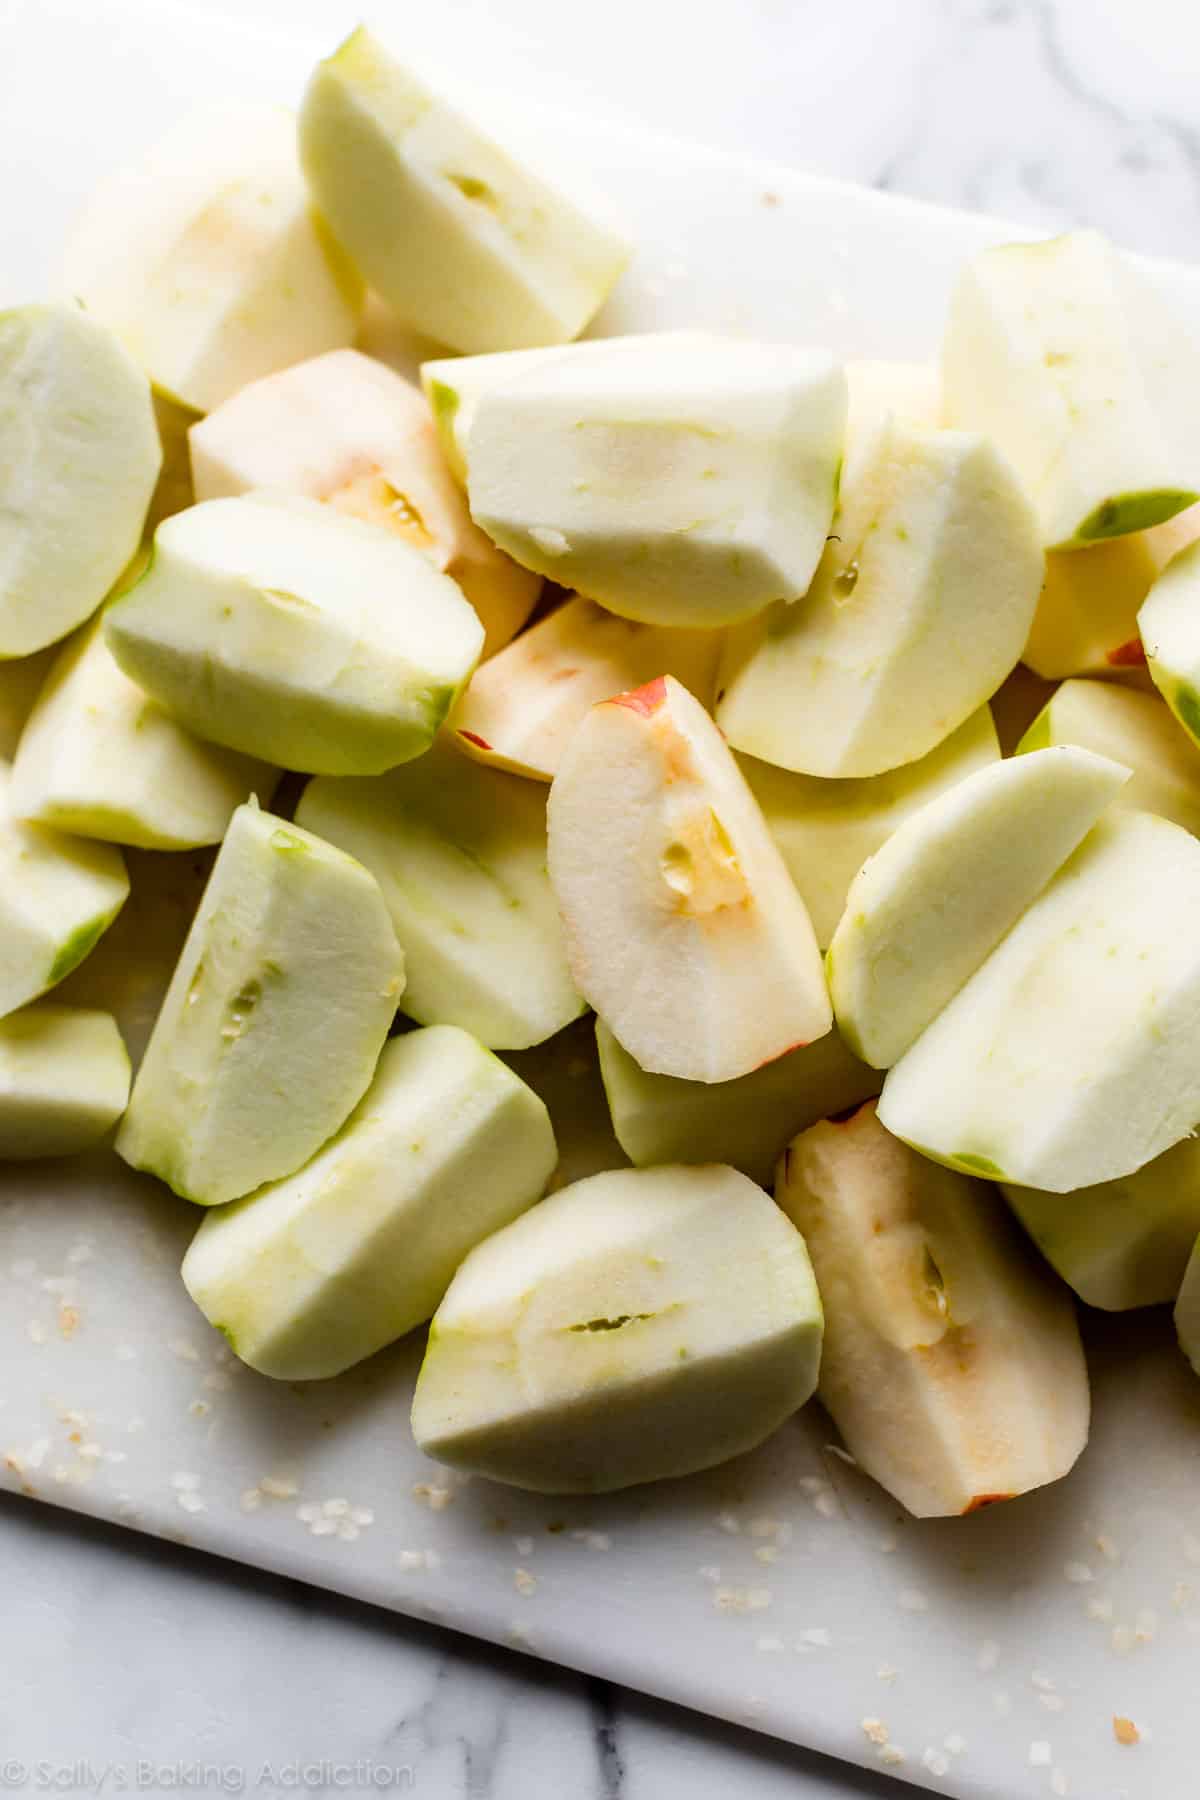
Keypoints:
pixel 783 1591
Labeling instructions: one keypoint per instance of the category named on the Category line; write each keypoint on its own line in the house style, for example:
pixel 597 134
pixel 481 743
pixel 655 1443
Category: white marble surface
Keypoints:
pixel 120 1651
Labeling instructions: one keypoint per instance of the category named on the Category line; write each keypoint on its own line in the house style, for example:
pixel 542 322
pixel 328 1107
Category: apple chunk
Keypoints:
pixel 639 1324
pixel 1072 1056
pixel 1171 633
pixel 678 480
pixel 827 829
pixel 313 1273
pixel 460 854
pixel 952 1364
pixel 58 896
pixel 100 758
pixel 1131 728
pixel 79 457
pixel 277 628
pixel 462 241
pixel 746 1122
pixel 207 260
pixel 348 430
pixel 1121 1243
pixel 1071 362
pixel 276 1013
pixel 919 609
pixel 927 909
pixel 521 708
pixel 684 929
pixel 64 1080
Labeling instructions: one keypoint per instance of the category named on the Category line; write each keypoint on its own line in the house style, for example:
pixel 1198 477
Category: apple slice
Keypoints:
pixel 79 457
pixel 639 1324
pixel 520 709
pixel 746 1122
pixel 1121 1243
pixel 64 1080
pixel 1171 633
pixel 1087 618
pixel 313 1273
pixel 952 1363
pixel 460 854
pixel 679 480
pixel 1131 728
pixel 919 609
pixel 926 910
pixel 1072 1056
pixel 1187 1311
pixel 465 243
pixel 684 929
pixel 58 896
pixel 207 260
pixel 99 758
pixel 348 430
pixel 1072 363
pixel 277 628
pixel 274 1019
pixel 827 829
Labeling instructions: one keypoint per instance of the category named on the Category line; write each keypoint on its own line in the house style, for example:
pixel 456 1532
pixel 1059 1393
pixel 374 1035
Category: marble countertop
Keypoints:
pixel 133 1666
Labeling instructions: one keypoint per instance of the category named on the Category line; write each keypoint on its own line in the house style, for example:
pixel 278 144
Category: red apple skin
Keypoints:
pixel 1130 655
pixel 645 700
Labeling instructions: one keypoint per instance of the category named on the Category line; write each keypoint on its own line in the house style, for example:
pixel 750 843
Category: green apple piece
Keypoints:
pixel 679 480
pixel 64 1080
pixel 276 627
pixel 827 829
pixel 100 758
pixel 1171 633
pixel 639 1324
pixel 952 1366
pixel 1187 1311
pixel 207 260
pixel 311 1274
pixel 464 242
pixel 521 708
pixel 925 912
pixel 58 896
pixel 1070 361
pixel 1087 618
pixel 1131 728
pixel 1072 1056
pixel 79 457
pixel 684 929
pixel 746 1122
pixel 1121 1243
pixel 919 609
pixel 348 430
pixel 460 854
pixel 276 1013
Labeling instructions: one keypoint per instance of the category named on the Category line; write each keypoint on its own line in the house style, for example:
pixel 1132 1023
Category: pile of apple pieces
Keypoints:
pixel 739 791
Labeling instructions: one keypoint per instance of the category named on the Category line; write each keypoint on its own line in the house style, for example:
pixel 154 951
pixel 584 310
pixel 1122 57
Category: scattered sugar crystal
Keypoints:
pixel 874 1730
pixel 185 1351
pixel 251 1499
pixel 1039 1754
pixel 524 1581
pixel 335 1509
pixel 279 1487
pixel 191 1503
pixel 936 1761
pixel 185 1483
